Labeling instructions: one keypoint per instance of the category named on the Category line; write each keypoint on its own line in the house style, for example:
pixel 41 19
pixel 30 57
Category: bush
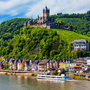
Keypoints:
pixel 78 77
pixel 51 73
pixel 35 74
pixel 12 69
pixel 55 72
pixel 8 69
pixel 5 73
pixel 44 71
pixel 4 69
pixel 32 74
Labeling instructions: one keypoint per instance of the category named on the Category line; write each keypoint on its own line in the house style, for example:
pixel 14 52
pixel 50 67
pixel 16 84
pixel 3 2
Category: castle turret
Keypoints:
pixel 38 17
pixel 46 13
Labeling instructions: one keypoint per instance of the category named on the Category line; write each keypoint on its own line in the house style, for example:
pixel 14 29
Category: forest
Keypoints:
pixel 42 43
pixel 10 28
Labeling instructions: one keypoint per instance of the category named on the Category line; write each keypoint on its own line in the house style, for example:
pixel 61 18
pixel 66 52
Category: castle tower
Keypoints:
pixel 46 13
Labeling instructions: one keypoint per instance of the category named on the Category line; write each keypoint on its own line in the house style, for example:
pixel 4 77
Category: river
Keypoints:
pixel 31 83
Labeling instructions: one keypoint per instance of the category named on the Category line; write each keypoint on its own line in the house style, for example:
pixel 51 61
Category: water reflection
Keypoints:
pixel 31 83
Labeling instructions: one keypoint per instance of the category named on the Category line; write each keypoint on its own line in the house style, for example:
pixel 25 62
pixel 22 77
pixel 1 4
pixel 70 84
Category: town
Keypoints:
pixel 44 44
pixel 79 65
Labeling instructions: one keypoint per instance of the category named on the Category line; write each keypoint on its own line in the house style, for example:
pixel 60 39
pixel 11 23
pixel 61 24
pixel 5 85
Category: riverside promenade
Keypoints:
pixel 17 73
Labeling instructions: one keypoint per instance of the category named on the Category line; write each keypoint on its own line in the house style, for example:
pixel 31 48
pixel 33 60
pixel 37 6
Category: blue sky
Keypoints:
pixel 10 9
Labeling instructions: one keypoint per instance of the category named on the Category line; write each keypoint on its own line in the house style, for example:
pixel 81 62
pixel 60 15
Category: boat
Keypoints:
pixel 54 77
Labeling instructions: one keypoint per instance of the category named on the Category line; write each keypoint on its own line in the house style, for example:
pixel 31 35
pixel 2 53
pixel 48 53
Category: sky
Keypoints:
pixel 10 9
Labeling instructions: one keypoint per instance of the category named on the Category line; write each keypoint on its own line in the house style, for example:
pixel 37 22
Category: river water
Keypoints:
pixel 31 83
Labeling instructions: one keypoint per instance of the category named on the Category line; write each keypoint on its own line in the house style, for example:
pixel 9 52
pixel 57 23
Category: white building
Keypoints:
pixel 88 61
pixel 79 45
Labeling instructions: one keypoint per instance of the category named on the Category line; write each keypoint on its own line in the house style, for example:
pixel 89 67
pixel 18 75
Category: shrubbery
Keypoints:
pixel 41 43
pixel 5 73
pixel 33 74
pixel 78 78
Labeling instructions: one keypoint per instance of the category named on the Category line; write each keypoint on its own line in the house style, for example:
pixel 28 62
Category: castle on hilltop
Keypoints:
pixel 45 21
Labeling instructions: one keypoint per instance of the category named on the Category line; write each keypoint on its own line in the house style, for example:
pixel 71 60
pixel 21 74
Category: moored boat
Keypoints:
pixel 54 77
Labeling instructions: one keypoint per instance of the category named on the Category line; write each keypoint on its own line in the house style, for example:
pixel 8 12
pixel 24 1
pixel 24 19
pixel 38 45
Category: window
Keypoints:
pixel 84 45
pixel 59 77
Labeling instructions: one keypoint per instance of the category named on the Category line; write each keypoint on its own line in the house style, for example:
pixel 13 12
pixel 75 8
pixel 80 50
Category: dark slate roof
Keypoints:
pixel 36 62
pixel 7 59
pixel 52 61
pixel 20 61
pixel 27 62
pixel 44 61
pixel 13 61
pixel 32 61
pixel 16 60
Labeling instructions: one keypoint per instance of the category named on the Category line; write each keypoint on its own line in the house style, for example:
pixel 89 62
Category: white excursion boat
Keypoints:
pixel 54 77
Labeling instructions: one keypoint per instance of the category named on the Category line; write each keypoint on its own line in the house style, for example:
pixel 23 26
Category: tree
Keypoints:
pixel 60 22
pixel 5 65
pixel 88 12
pixel 52 53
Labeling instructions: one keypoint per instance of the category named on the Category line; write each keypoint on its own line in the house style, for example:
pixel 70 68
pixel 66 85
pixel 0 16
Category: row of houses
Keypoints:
pixel 71 65
pixel 33 65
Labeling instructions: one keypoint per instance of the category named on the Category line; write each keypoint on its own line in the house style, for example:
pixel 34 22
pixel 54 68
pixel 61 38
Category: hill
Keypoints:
pixel 79 22
pixel 42 43
pixel 10 28
pixel 70 36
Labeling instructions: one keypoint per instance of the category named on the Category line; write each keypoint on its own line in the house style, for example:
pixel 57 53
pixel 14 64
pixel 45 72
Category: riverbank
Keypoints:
pixel 18 73
pixel 29 73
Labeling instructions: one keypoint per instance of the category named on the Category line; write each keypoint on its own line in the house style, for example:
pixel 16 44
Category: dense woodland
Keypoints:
pixel 10 28
pixel 39 43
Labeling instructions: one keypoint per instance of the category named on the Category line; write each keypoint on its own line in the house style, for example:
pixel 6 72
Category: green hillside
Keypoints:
pixel 79 22
pixel 40 43
pixel 70 36
pixel 10 28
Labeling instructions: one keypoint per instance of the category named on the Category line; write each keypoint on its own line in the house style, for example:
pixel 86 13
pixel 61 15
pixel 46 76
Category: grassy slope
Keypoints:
pixel 70 36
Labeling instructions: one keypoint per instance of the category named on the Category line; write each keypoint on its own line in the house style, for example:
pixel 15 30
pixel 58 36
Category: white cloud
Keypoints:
pixel 11 6
pixel 32 8
pixel 57 6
